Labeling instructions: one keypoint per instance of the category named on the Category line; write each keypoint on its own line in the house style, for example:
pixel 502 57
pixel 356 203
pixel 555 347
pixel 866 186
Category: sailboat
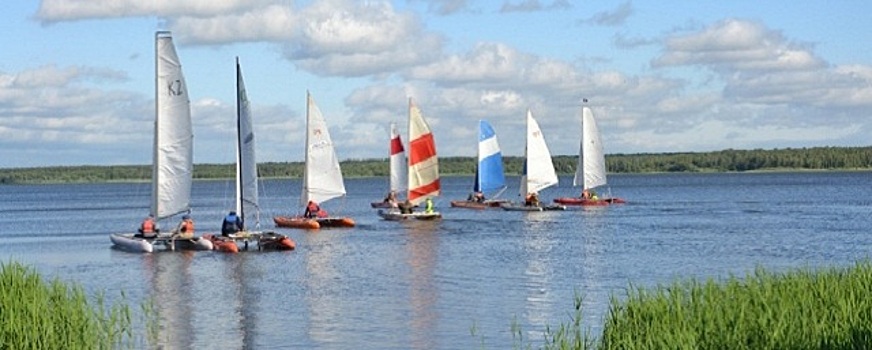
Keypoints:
pixel 423 170
pixel 489 175
pixel 247 207
pixel 173 166
pixel 397 170
pixel 590 172
pixel 539 172
pixel 322 176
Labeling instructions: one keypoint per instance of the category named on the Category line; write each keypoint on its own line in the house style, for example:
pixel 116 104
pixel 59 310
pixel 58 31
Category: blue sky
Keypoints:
pixel 77 85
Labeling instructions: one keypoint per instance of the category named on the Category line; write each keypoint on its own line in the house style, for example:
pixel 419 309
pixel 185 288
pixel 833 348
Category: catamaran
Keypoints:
pixel 538 173
pixel 423 170
pixel 173 165
pixel 322 176
pixel 397 171
pixel 489 174
pixel 247 207
pixel 590 173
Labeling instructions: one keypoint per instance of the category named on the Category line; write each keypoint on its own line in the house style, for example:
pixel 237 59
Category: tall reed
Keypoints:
pixel 39 314
pixel 826 309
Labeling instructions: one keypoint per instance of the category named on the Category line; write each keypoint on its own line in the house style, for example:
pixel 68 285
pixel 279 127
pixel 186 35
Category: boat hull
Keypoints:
pixel 397 216
pixel 335 222
pixel 588 202
pixel 478 205
pixel 296 222
pixel 275 241
pixel 383 205
pixel 516 207
pixel 222 244
pixel 129 242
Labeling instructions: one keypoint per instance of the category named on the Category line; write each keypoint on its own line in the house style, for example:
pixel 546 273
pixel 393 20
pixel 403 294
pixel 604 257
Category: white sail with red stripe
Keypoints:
pixel 398 161
pixel 423 163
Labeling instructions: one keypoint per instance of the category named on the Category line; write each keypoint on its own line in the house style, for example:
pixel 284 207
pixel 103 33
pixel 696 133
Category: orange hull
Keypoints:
pixel 335 222
pixel 222 245
pixel 277 243
pixel 296 222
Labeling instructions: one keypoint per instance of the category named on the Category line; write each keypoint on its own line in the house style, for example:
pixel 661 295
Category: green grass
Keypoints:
pixel 40 314
pixel 824 309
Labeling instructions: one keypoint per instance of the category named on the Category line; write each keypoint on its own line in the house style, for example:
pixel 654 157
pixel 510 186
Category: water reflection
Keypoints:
pixel 538 243
pixel 322 281
pixel 171 290
pixel 421 255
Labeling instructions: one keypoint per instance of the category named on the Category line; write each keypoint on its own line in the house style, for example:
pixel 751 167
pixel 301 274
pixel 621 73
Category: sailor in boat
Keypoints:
pixel 148 228
pixel 391 198
pixel 532 200
pixel 429 208
pixel 314 211
pixel 589 194
pixel 232 224
pixel 476 197
pixel 185 228
pixel 405 207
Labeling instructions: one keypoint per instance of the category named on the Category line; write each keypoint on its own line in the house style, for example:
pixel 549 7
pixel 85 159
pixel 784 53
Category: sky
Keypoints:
pixel 77 77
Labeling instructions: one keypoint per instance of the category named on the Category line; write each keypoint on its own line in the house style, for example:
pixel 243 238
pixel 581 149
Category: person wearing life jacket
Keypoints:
pixel 232 224
pixel 148 228
pixel 429 207
pixel 313 211
pixel 185 228
pixel 532 200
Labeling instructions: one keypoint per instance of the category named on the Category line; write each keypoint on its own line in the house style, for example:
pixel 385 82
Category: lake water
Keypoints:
pixel 431 285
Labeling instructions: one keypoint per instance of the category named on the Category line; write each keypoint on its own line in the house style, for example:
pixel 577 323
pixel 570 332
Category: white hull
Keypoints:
pixel 128 242
pixel 397 216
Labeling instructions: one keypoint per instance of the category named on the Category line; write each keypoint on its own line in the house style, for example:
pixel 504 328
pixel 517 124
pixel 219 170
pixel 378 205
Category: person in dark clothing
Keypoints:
pixel 232 224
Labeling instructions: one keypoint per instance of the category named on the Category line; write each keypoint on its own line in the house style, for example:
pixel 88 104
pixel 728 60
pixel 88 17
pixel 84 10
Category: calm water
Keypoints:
pixel 427 285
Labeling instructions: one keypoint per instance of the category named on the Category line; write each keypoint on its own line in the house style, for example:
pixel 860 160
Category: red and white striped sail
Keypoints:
pixel 423 163
pixel 398 161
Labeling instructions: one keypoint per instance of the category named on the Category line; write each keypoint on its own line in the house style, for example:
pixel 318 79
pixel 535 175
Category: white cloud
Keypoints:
pixel 736 45
pixel 71 10
pixel 612 18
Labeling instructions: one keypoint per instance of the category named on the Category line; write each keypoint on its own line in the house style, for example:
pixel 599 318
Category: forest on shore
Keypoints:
pixel 788 159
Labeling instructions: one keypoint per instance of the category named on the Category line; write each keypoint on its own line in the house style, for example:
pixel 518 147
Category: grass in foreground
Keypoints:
pixel 37 314
pixel 826 309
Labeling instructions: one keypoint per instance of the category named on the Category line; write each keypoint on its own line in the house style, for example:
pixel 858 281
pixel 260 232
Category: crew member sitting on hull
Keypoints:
pixel 314 211
pixel 429 208
pixel 406 207
pixel 232 224
pixel 148 228
pixel 185 228
pixel 391 198
pixel 532 200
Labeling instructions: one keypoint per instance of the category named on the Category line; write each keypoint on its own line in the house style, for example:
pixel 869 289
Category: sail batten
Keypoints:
pixel 174 138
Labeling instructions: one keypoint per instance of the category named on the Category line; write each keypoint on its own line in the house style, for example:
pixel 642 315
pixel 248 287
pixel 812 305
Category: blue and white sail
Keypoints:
pixel 489 175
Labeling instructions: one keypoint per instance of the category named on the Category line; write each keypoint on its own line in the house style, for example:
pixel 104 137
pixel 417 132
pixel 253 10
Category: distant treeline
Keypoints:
pixel 819 158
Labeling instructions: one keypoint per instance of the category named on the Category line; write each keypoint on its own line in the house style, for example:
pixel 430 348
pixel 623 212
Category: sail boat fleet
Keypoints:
pixel 415 177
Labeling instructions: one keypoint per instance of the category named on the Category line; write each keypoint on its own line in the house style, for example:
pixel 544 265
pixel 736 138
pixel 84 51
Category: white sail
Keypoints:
pixel 423 163
pixel 539 170
pixel 173 136
pixel 591 169
pixel 322 177
pixel 398 161
pixel 246 164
